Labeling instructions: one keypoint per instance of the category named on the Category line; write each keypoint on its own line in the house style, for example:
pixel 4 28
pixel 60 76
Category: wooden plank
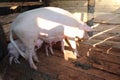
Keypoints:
pixel 3 44
pixel 103 43
pixel 65 69
pixel 102 50
pixel 97 74
pixel 71 5
pixel 101 54
pixel 9 4
pixel 69 67
pixel 106 66
pixel 108 50
pixel 92 72
pixel 108 6
pixel 102 58
pixel 112 18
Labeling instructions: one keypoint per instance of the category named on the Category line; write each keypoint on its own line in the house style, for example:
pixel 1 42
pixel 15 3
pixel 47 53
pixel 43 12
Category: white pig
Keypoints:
pixel 51 21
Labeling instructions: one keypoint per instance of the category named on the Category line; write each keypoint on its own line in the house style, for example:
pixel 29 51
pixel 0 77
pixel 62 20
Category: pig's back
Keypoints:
pixel 42 17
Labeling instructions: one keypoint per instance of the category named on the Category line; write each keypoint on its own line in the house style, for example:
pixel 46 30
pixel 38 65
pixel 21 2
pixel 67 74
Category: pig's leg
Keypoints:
pixel 28 40
pixel 35 56
pixel 72 44
pixel 29 52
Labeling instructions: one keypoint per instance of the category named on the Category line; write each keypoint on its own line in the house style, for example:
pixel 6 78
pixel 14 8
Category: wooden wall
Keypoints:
pixel 104 9
pixel 107 11
pixel 107 6
pixel 77 7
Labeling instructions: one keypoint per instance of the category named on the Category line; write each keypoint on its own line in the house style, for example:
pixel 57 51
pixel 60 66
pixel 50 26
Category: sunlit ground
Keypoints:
pixel 69 55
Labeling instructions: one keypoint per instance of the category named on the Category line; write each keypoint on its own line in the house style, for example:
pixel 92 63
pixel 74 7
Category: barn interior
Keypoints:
pixel 99 56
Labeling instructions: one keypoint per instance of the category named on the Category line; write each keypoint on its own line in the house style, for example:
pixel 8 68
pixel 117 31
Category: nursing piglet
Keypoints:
pixel 14 54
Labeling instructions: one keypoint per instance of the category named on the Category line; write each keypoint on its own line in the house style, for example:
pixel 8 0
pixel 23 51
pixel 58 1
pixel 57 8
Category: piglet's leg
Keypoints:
pixel 10 59
pixel 46 49
pixel 62 45
pixel 16 60
pixel 51 49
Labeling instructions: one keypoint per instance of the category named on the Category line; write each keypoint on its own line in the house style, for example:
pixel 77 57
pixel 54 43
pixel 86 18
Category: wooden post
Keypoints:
pixel 90 16
pixel 45 2
pixel 3 43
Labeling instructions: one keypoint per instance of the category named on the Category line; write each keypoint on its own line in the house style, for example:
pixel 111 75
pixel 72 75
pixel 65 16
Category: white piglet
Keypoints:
pixel 38 44
pixel 51 39
pixel 13 53
pixel 51 21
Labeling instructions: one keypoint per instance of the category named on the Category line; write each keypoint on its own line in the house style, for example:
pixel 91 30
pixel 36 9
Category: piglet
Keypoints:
pixel 38 44
pixel 49 42
pixel 13 53
pixel 48 46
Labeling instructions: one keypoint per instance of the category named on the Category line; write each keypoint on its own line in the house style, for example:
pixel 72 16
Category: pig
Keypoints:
pixel 14 54
pixel 52 21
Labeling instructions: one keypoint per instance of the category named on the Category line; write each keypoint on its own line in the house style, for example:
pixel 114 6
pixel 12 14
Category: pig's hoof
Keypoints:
pixel 34 67
pixel 76 54
pixel 47 55
pixel 52 53
pixel 35 59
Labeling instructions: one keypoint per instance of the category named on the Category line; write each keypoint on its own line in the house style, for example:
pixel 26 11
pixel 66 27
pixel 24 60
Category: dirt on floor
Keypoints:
pixel 99 59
